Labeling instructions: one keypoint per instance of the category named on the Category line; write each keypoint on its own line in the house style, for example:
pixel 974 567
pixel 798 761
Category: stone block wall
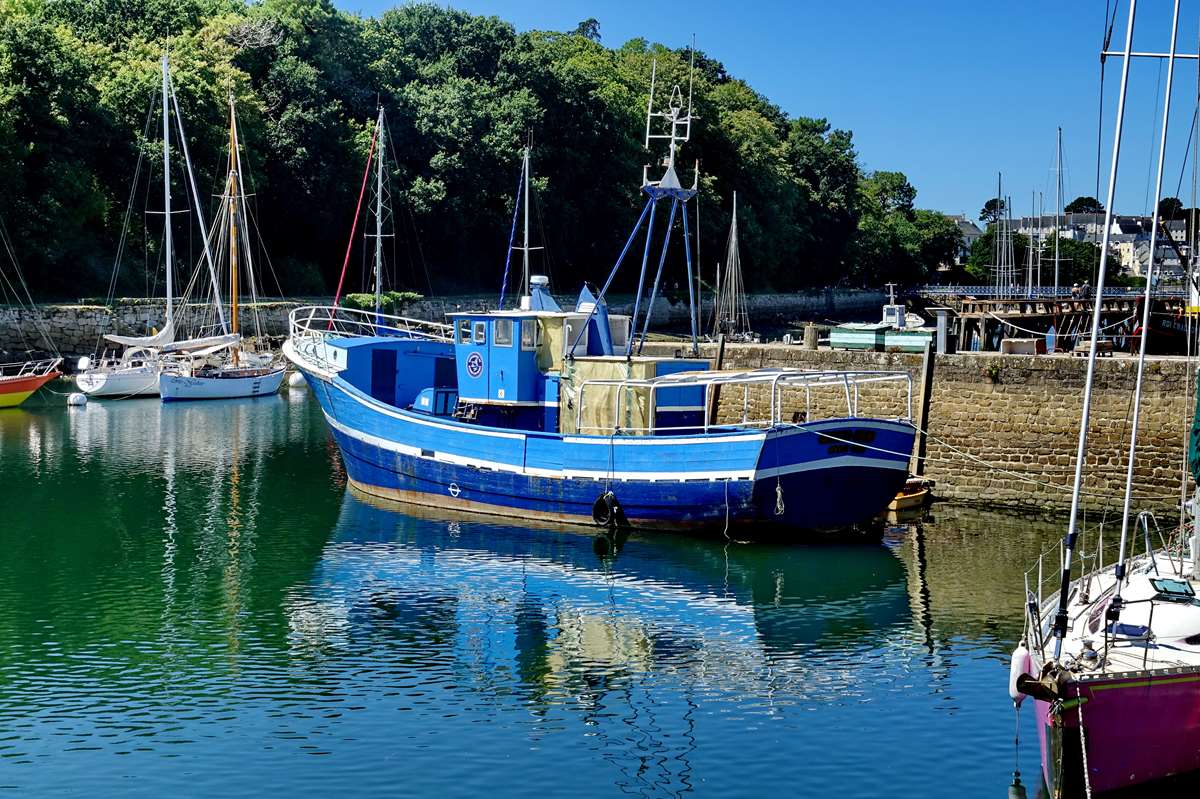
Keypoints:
pixel 1003 429
pixel 77 329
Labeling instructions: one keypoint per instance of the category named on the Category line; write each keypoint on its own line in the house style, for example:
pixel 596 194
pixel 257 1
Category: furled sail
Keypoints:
pixel 212 343
pixel 157 341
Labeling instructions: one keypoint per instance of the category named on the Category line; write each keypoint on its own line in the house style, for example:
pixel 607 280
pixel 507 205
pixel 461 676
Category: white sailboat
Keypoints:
pixel 134 373
pixel 730 316
pixel 220 366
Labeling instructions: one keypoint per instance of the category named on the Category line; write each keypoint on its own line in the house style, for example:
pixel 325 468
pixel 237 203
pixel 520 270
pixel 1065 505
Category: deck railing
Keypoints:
pixel 311 326
pixel 777 381
pixel 29 368
pixel 327 320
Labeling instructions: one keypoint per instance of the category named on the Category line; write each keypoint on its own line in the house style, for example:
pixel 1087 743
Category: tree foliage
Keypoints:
pixel 1084 205
pixel 1170 209
pixel 462 93
pixel 993 210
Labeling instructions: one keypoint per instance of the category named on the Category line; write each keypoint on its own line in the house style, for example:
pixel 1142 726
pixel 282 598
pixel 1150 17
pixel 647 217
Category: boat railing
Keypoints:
pixel 1042 581
pixel 776 381
pixel 321 321
pixel 29 368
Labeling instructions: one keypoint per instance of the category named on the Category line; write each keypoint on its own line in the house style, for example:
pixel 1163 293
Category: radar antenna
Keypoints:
pixel 674 126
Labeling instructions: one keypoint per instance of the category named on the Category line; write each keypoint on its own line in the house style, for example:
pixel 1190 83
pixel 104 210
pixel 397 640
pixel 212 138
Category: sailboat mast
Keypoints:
pixel 1032 239
pixel 1137 391
pixel 168 249
pixel 525 234
pixel 379 216
pixel 733 264
pixel 233 230
pixel 1061 620
pixel 1058 207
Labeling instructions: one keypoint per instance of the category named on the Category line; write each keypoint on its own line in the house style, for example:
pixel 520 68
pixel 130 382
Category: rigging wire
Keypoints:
pixel 412 219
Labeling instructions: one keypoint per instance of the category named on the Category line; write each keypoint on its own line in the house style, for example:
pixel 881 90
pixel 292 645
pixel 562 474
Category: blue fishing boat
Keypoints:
pixel 537 412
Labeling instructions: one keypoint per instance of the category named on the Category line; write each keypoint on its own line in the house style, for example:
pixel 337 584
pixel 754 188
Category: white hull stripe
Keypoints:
pixel 833 463
pixel 672 476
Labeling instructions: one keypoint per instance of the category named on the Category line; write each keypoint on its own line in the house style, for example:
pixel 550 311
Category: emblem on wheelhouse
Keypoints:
pixel 534 411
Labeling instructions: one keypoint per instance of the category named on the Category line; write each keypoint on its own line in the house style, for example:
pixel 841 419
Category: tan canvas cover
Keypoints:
pixel 606 407
pixel 550 348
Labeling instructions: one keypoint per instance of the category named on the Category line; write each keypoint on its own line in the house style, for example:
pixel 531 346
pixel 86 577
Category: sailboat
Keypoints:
pixel 20 379
pixel 134 373
pixel 730 316
pixel 1111 658
pixel 219 366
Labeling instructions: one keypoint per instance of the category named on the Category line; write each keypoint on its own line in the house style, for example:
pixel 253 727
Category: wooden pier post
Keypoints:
pixel 917 463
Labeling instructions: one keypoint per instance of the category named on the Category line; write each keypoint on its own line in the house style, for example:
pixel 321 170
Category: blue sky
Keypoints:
pixel 948 93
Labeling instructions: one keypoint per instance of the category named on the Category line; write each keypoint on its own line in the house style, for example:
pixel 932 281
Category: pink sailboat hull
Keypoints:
pixel 1137 728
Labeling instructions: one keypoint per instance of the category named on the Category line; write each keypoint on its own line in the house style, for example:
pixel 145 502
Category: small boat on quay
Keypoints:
pixel 1111 656
pixel 537 412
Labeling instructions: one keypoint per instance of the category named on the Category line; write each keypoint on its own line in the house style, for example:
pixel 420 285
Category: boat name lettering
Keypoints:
pixel 846 440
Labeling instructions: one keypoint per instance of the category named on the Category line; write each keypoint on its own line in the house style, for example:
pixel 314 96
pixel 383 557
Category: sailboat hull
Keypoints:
pixel 15 390
pixel 1138 728
pixel 180 387
pixel 139 381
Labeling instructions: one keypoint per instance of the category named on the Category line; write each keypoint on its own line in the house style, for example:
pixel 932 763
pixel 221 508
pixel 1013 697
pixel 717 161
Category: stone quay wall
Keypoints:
pixel 78 329
pixel 1003 429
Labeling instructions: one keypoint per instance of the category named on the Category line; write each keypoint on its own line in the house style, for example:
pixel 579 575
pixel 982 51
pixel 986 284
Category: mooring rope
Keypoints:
pixel 1006 323
pixel 1087 779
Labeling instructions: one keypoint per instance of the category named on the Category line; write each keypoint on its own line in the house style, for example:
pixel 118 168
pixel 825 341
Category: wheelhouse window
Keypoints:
pixel 481 332
pixel 529 329
pixel 464 331
pixel 503 332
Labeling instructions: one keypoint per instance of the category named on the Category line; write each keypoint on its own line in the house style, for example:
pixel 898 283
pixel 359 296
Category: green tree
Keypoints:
pixel 588 29
pixel 1170 208
pixel 1084 205
pixel 993 210
pixel 462 93
pixel 981 263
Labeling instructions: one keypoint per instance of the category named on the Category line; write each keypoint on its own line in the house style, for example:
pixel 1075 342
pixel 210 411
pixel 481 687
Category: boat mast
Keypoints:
pixel 1058 206
pixel 1060 616
pixel 379 218
pixel 1032 238
pixel 233 230
pixel 166 154
pixel 525 234
pixel 1137 391
pixel 204 231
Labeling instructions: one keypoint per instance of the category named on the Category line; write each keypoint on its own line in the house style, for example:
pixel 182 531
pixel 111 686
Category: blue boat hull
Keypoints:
pixel 821 475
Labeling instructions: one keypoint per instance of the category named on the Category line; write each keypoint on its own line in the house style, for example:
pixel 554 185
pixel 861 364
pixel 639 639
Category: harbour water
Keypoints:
pixel 194 604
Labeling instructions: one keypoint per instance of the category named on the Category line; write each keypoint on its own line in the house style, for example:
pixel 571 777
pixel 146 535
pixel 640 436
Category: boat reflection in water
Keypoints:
pixel 569 612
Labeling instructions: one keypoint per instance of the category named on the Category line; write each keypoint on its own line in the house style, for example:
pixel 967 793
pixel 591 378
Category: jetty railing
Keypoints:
pixel 777 381
pixel 1041 292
